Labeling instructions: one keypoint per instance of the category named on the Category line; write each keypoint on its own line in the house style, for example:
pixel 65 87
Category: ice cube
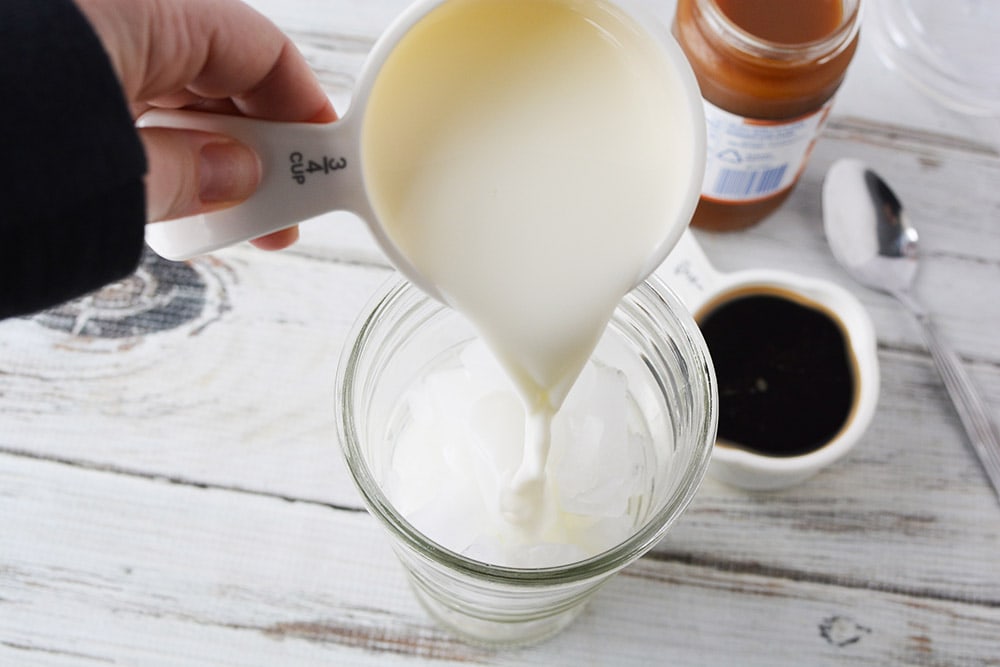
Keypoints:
pixel 458 459
pixel 452 518
pixel 487 548
pixel 419 403
pixel 593 463
pixel 497 425
pixel 606 532
pixel 450 392
pixel 416 467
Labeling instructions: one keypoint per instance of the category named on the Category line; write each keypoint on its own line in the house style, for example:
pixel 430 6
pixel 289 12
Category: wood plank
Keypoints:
pixel 920 496
pixel 249 381
pixel 214 403
pixel 947 187
pixel 177 496
pixel 101 568
pixel 908 509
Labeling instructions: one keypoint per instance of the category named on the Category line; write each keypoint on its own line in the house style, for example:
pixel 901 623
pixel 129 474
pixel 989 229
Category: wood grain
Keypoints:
pixel 117 570
pixel 173 493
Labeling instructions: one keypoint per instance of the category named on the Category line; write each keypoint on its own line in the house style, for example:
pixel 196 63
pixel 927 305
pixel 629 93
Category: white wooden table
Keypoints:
pixel 171 488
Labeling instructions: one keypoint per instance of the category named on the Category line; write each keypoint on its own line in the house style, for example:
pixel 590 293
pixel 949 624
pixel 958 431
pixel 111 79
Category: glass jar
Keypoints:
pixel 941 47
pixel 768 71
pixel 671 386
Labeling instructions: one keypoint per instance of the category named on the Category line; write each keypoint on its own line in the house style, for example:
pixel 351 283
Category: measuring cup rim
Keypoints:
pixel 673 55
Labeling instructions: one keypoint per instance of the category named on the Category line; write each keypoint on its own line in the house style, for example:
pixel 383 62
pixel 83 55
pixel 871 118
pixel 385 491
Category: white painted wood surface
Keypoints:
pixel 178 498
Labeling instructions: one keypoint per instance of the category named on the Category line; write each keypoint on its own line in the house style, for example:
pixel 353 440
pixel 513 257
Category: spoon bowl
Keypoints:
pixel 868 230
pixel 870 235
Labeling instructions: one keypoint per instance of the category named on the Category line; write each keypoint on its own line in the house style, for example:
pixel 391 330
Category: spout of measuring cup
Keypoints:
pixel 308 169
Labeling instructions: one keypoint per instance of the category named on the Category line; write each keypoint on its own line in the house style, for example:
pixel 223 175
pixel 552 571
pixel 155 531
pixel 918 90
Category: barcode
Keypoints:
pixel 734 183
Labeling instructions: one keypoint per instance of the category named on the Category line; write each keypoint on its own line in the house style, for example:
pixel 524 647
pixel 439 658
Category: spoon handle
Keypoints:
pixel 967 400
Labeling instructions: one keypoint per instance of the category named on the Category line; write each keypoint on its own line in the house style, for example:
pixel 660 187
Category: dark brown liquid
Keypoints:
pixel 785 21
pixel 786 375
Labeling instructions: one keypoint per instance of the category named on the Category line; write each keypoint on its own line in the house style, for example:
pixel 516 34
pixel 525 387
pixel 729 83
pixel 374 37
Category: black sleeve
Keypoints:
pixel 72 198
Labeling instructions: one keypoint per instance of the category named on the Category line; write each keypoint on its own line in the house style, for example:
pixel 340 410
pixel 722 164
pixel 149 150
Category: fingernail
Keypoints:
pixel 228 172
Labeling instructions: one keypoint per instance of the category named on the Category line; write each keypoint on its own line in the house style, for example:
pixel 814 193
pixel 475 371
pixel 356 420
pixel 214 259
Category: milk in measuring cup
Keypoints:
pixel 527 157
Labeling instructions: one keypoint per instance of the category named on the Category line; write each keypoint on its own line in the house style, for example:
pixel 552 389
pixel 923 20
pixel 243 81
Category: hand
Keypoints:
pixel 215 55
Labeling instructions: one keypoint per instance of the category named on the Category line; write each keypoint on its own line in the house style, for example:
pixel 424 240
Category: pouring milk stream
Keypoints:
pixel 528 162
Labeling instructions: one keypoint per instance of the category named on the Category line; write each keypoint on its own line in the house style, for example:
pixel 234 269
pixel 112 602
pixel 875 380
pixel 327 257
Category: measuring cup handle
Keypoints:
pixel 308 169
pixel 687 271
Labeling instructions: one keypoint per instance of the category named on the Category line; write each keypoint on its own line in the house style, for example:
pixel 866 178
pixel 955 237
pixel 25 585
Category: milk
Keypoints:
pixel 461 444
pixel 526 157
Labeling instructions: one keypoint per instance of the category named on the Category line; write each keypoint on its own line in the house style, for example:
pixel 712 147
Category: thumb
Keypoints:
pixel 194 172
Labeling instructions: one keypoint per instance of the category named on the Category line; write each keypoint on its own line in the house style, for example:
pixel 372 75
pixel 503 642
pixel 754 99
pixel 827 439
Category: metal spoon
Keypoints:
pixel 871 237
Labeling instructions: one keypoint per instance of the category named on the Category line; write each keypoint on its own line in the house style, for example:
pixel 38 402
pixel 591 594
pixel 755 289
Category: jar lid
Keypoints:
pixel 947 49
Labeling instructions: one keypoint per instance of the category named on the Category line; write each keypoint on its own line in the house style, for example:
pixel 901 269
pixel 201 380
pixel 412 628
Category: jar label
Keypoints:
pixel 752 159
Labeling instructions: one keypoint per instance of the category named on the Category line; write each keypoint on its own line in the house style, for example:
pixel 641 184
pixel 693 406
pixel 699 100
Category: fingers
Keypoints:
pixel 278 240
pixel 251 61
pixel 195 172
pixel 179 52
pixel 218 55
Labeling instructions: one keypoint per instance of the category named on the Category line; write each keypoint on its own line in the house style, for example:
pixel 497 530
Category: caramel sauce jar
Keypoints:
pixel 768 70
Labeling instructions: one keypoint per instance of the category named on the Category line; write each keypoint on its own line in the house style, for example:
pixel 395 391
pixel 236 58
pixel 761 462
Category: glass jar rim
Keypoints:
pixel 652 294
pixel 750 45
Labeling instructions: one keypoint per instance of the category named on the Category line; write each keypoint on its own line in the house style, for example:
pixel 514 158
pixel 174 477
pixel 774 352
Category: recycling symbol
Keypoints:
pixel 730 156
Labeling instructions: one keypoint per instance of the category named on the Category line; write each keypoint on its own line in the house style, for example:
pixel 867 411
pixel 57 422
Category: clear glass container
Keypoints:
pixel 945 49
pixel 405 335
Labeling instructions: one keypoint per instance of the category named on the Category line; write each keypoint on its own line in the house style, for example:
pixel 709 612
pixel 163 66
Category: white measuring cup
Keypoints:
pixel 311 169
pixel 700 286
